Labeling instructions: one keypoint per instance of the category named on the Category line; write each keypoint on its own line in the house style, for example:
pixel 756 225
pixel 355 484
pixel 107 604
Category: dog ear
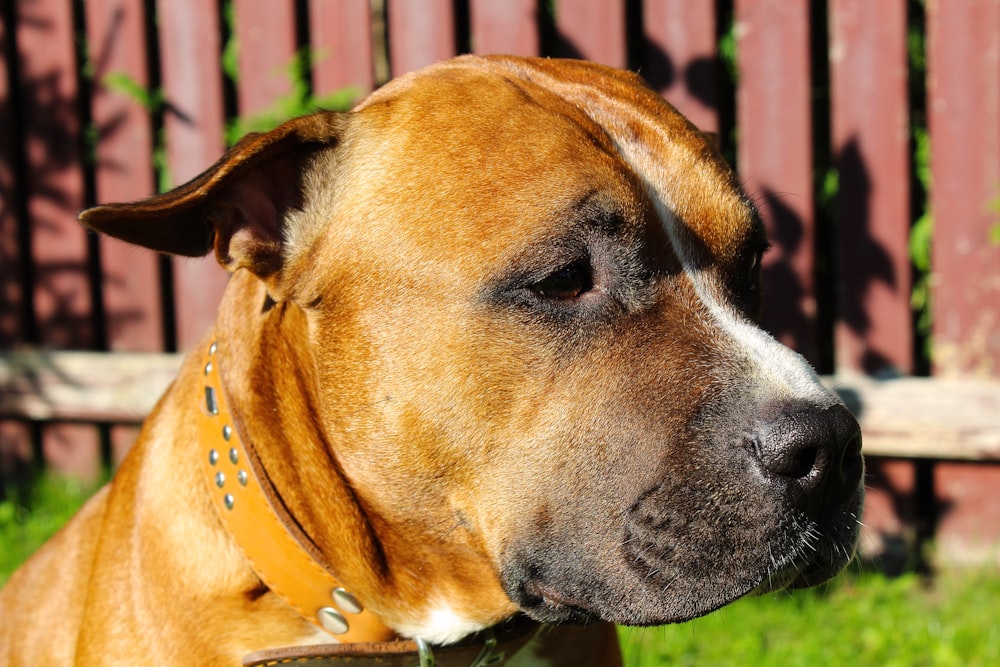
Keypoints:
pixel 237 206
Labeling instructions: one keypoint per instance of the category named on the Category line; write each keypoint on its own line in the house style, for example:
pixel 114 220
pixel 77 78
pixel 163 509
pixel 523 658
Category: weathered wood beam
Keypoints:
pixel 83 386
pixel 901 418
pixel 932 418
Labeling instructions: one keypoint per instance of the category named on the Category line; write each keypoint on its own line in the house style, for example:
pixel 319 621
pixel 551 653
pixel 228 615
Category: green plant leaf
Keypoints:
pixel 150 100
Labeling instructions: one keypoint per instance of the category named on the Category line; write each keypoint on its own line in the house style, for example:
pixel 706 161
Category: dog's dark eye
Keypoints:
pixel 756 259
pixel 567 283
pixel 749 294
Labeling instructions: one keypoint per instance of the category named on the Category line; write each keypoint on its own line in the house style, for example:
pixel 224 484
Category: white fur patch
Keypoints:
pixel 773 364
pixel 441 625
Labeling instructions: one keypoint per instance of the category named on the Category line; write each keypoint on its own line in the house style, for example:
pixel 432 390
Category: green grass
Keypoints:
pixel 861 619
pixel 25 525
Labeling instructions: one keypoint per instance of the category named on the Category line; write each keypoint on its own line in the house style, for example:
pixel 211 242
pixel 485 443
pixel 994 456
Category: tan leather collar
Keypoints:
pixel 248 507
pixel 490 648
pixel 287 563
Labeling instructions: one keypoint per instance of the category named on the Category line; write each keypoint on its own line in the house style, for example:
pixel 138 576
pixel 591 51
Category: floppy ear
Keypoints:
pixel 237 206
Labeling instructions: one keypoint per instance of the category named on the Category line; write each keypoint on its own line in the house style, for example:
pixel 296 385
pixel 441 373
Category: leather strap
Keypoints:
pixel 491 648
pixel 283 563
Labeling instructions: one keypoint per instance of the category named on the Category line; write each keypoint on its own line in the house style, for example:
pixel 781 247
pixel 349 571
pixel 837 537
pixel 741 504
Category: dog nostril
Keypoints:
pixel 852 462
pixel 786 459
pixel 802 462
pixel 819 450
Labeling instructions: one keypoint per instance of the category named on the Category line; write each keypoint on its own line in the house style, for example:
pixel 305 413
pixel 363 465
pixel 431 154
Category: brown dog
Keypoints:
pixel 488 348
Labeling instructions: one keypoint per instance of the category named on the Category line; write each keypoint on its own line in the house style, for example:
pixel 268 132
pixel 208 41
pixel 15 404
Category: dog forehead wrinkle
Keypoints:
pixel 773 364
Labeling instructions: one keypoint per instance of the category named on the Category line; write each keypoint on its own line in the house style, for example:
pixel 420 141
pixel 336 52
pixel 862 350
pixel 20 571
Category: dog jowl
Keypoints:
pixel 492 339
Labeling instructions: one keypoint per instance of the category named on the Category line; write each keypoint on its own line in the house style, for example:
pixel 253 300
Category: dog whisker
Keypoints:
pixel 368 406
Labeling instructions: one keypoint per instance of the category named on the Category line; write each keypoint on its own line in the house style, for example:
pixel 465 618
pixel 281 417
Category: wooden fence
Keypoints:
pixel 829 111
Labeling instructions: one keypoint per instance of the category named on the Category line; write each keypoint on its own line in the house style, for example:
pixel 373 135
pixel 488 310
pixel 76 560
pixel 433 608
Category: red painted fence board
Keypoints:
pixel 12 293
pixel 130 278
pixel 776 160
pixel 680 57
pixel 340 35
pixel 54 188
pixel 15 437
pixel 421 32
pixel 592 30
pixel 964 119
pixel 505 27
pixel 265 35
pixel 54 180
pixel 123 172
pixel 192 84
pixel 870 133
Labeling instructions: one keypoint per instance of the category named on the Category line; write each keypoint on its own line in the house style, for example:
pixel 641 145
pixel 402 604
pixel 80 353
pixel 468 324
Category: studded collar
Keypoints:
pixel 288 564
pixel 249 509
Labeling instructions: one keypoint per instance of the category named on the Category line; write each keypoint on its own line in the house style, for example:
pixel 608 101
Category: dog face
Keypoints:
pixel 530 291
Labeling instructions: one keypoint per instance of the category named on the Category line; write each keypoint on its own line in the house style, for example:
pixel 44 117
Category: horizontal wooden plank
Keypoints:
pixel 83 386
pixel 900 418
pixel 932 418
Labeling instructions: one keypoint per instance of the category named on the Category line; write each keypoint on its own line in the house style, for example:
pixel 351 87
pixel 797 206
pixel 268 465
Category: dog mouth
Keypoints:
pixel 553 604
pixel 653 577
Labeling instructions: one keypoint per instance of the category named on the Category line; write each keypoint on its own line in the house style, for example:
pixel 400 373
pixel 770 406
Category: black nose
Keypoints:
pixel 817 449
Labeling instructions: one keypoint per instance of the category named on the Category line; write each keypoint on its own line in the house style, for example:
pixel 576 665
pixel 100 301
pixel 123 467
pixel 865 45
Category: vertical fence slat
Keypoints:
pixel 775 158
pixel 123 172
pixel 340 35
pixel 192 84
pixel 871 150
pixel 12 294
pixel 265 38
pixel 421 32
pixel 592 30
pixel 15 437
pixel 54 186
pixel 680 58
pixel 54 183
pixel 964 122
pixel 505 27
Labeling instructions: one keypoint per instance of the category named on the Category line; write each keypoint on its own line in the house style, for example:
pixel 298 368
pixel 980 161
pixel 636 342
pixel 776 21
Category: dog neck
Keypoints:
pixel 290 565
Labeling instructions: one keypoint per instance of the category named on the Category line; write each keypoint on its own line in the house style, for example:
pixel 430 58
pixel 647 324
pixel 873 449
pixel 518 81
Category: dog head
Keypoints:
pixel 529 291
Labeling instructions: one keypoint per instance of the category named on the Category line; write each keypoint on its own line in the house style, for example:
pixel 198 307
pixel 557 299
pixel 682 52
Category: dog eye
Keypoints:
pixel 756 258
pixel 567 283
pixel 748 293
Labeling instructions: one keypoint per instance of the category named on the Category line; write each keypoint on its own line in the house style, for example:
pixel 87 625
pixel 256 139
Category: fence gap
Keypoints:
pixel 825 274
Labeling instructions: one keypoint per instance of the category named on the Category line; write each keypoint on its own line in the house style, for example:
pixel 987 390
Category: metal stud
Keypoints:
pixel 346 601
pixel 210 401
pixel 241 476
pixel 220 479
pixel 234 456
pixel 208 368
pixel 213 457
pixel 332 621
pixel 227 432
pixel 229 500
pixel 213 348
